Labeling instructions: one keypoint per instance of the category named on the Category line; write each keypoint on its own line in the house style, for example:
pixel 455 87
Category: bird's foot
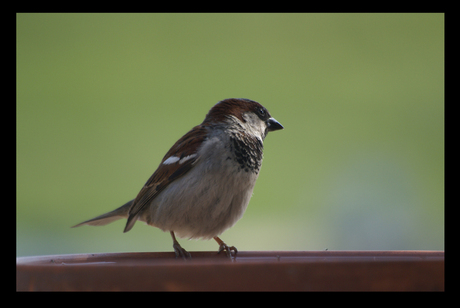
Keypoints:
pixel 230 251
pixel 178 250
pixel 181 252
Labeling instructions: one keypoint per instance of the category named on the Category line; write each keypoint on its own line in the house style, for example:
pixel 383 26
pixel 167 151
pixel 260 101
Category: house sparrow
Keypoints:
pixel 204 183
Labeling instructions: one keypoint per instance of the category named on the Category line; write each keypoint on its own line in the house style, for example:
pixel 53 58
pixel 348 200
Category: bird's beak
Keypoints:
pixel 273 125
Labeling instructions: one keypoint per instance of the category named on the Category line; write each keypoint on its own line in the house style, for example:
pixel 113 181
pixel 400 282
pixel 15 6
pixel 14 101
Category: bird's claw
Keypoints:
pixel 178 250
pixel 223 246
pixel 181 252
pixel 230 251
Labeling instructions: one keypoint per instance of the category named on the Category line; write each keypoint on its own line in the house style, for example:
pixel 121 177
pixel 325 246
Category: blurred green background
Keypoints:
pixel 359 165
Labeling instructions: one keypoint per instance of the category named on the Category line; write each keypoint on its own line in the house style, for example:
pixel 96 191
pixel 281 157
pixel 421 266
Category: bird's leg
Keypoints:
pixel 178 250
pixel 223 246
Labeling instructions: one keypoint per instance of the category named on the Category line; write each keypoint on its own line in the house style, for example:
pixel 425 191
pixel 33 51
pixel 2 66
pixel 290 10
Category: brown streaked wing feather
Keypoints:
pixel 165 174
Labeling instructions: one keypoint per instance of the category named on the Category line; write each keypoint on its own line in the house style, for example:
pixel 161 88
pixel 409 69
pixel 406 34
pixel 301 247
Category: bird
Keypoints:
pixel 204 183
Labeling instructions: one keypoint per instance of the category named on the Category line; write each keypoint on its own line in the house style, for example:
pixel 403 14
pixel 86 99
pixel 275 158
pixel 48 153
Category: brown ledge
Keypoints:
pixel 249 271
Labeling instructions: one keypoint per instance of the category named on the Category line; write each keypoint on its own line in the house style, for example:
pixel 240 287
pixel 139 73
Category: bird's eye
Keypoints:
pixel 262 112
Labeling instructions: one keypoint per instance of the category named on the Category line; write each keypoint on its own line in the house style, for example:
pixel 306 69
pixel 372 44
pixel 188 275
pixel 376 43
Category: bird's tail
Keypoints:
pixel 121 212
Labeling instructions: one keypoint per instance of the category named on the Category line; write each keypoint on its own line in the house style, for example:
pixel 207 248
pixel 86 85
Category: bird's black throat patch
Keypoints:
pixel 247 151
